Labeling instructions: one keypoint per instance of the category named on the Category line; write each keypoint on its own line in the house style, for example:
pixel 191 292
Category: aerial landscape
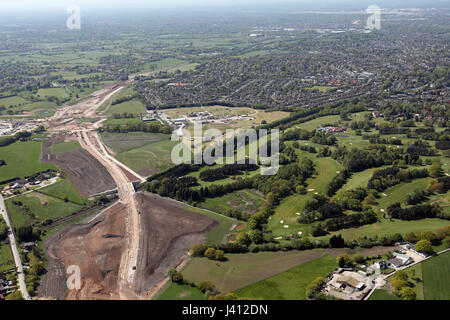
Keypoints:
pixel 294 150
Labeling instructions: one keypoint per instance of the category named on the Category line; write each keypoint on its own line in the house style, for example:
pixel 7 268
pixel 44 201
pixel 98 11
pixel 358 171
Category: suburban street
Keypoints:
pixel 15 251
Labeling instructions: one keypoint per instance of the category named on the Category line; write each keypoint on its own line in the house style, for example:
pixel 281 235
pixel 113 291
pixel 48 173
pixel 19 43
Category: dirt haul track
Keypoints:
pixel 126 252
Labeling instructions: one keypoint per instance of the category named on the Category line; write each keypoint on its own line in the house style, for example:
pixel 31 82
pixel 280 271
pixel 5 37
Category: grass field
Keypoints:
pixel 387 227
pixel 64 188
pixel 150 158
pixel 22 159
pixel 6 258
pixel 59 93
pixel 42 207
pixel 122 121
pixel 134 106
pixel 436 278
pixel 360 179
pixel 180 292
pixel 381 294
pixel 121 142
pixel 327 169
pixel 291 284
pixel 241 270
pixel 64 147
pixel 247 201
pixel 430 280
pixel 217 234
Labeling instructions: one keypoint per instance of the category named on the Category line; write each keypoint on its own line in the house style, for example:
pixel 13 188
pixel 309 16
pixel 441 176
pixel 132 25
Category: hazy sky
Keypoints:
pixel 308 4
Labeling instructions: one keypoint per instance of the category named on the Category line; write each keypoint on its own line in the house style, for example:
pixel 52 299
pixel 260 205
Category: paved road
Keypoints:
pixel 16 255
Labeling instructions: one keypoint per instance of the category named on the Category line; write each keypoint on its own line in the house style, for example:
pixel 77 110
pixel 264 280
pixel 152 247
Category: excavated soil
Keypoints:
pixel 85 172
pixel 168 232
pixel 96 248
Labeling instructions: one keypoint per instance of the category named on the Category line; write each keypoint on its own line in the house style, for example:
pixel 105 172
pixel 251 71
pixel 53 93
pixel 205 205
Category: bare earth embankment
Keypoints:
pixel 168 232
pixel 96 248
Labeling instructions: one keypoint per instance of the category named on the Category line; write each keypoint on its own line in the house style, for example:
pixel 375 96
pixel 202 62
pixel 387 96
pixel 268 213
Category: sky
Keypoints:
pixel 306 4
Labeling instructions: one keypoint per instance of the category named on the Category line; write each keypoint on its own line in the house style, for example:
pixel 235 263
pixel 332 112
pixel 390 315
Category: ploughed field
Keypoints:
pixel 86 173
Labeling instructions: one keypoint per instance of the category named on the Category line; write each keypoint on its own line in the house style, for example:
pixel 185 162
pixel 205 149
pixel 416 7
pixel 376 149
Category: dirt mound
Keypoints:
pixel 87 175
pixel 96 248
pixel 168 232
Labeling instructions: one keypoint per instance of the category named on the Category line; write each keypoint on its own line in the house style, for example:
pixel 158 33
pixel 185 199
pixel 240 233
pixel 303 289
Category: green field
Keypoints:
pixel 381 294
pixel 22 159
pixel 244 200
pixel 62 189
pixel 217 234
pixel 150 158
pixel 41 207
pixel 241 270
pixel 134 106
pixel 6 258
pixel 327 169
pixel 64 147
pixel 291 284
pixel 59 93
pixel 180 292
pixel 146 153
pixel 431 281
pixel 436 278
pixel 122 121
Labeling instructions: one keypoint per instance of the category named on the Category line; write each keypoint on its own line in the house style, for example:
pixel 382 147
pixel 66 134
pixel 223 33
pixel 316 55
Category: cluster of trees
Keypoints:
pixel 351 220
pixel 154 127
pixel 200 250
pixel 32 274
pixel 226 171
pixel 208 288
pixel 377 139
pixel 307 148
pixel 3 230
pixel 318 137
pixel 402 286
pixel 418 196
pixel 413 213
pixel 124 115
pixel 324 138
pixel 420 148
pixel 388 177
pixel 351 199
pixel 443 145
pixel 337 182
pixel 372 156
pixel 124 99
pixel 385 128
pixel 365 125
pixel 27 234
pixel 176 171
pixel 20 136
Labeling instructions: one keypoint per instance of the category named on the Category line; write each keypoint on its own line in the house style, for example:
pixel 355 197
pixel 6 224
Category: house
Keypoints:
pixel 351 282
pixel 395 263
pixel 28 246
pixel 381 265
pixel 400 260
